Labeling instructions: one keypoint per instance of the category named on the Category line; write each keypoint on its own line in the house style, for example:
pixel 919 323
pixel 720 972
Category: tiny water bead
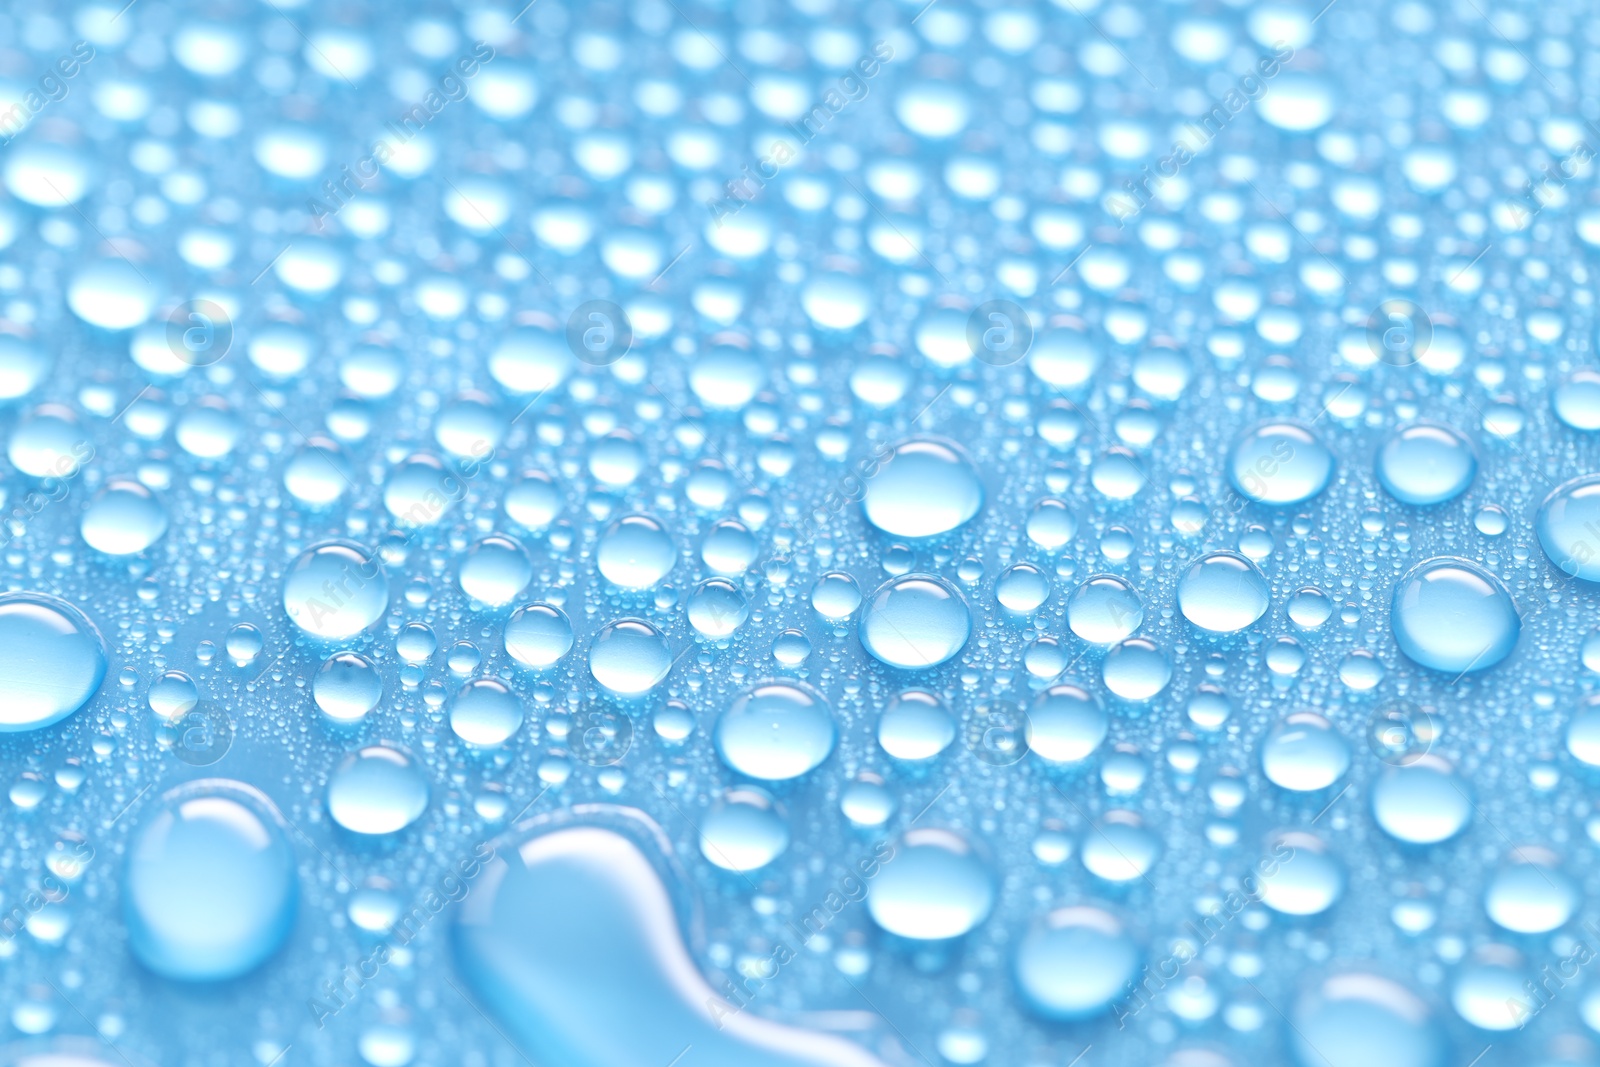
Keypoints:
pixel 1279 463
pixel 210 889
pixel 775 731
pixel 1452 615
pixel 378 789
pixel 1568 525
pixel 1427 463
pixel 52 657
pixel 935 887
pixel 915 621
pixel 923 488
pixel 1075 962
pixel 336 589
pixel 1223 592
pixel 629 657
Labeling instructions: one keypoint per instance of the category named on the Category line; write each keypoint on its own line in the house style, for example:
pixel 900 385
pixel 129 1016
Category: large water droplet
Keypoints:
pixel 924 488
pixel 915 621
pixel 775 731
pixel 935 887
pixel 1279 463
pixel 1075 962
pixel 336 589
pixel 52 658
pixel 1452 615
pixel 210 889
pixel 1223 592
pixel 378 789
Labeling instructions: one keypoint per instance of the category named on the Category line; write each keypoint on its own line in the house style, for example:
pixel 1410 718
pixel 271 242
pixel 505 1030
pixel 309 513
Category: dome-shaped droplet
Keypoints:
pixel 935 887
pixel 1422 801
pixel 378 789
pixel 1223 592
pixel 1426 464
pixel 629 657
pixel 915 725
pixel 1530 893
pixel 775 731
pixel 925 487
pixel 335 589
pixel 123 519
pixel 346 687
pixel 1066 724
pixel 1364 1020
pixel 1452 615
pixel 1567 523
pixel 1104 610
pixel 1304 753
pixel 52 658
pixel 636 552
pixel 538 635
pixel 915 621
pixel 1075 963
pixel 485 712
pixel 210 888
pixel 1279 463
pixel 744 831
